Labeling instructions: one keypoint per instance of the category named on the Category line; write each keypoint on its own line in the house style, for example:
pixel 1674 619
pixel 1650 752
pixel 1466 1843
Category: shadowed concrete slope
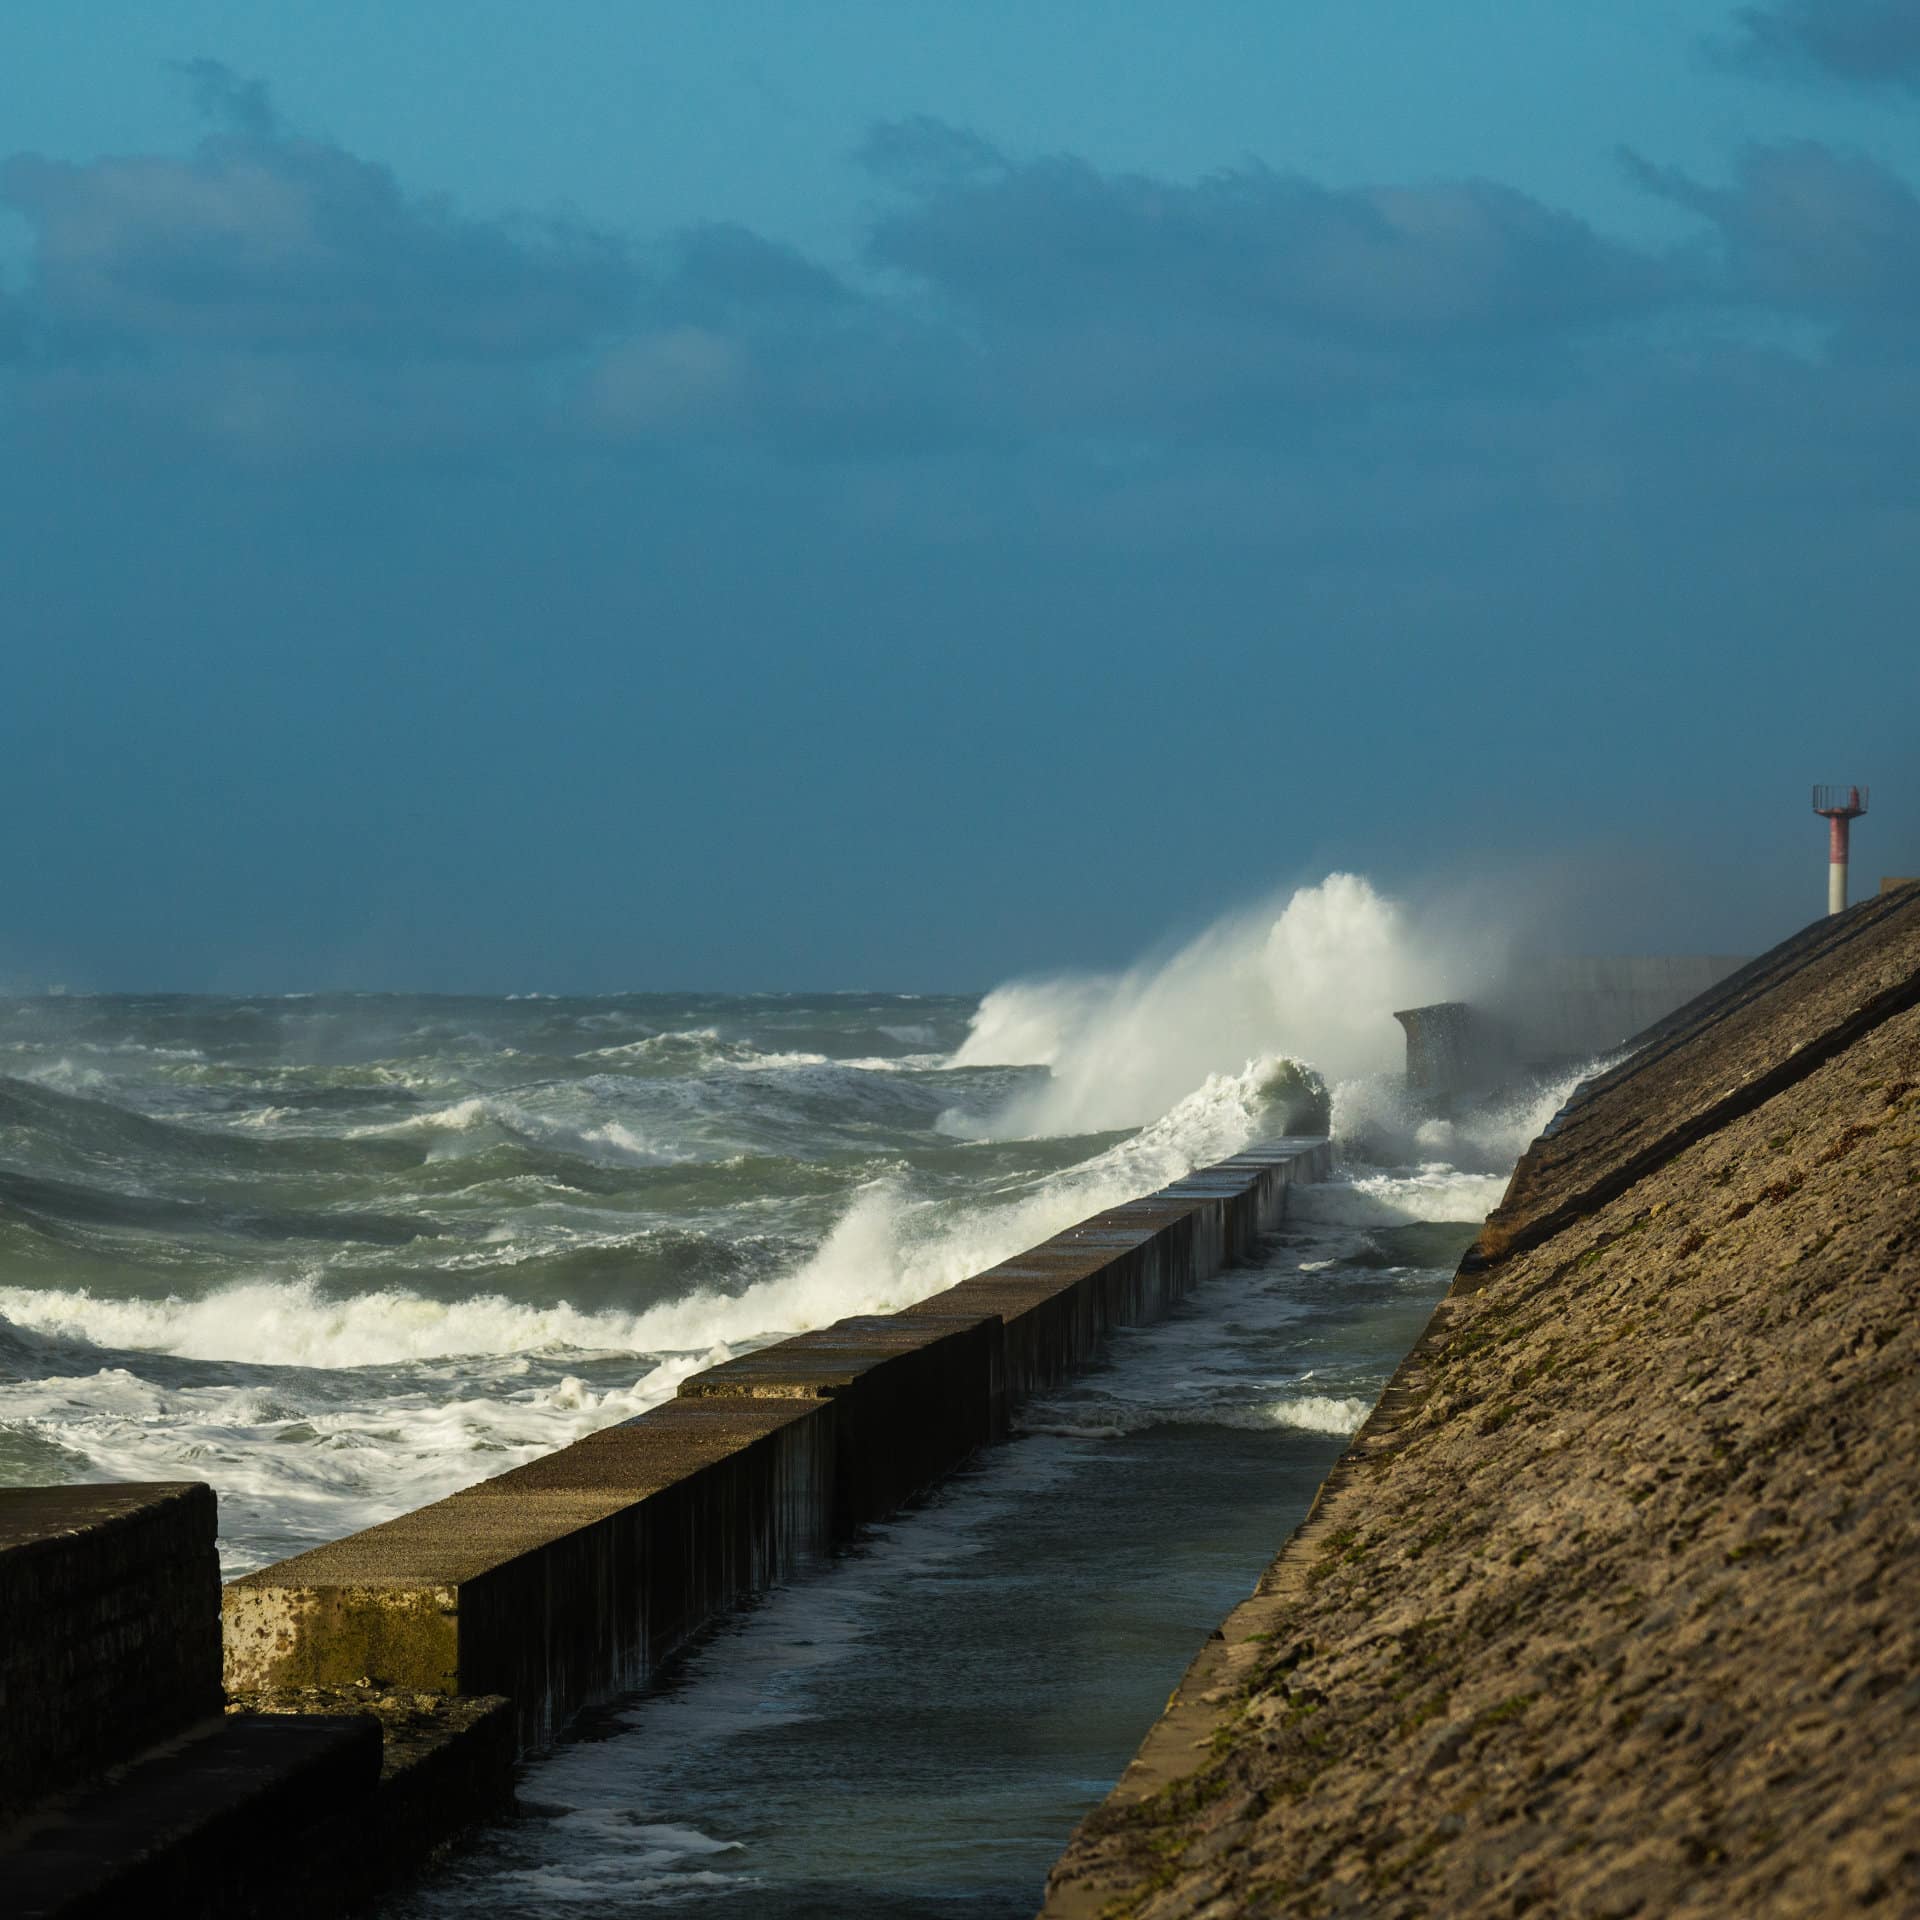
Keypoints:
pixel 1614 1605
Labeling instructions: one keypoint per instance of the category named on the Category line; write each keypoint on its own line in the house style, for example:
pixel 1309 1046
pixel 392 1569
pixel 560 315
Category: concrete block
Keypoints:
pixel 561 1583
pixel 912 1398
pixel 569 1580
pixel 109 1627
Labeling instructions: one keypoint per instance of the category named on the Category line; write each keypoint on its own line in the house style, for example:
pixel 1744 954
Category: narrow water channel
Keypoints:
pixel 916 1730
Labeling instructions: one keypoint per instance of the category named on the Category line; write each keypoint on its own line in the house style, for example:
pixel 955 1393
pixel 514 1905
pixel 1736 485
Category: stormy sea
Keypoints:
pixel 340 1255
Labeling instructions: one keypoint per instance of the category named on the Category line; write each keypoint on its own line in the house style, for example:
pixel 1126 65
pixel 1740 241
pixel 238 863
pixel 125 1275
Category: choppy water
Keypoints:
pixel 340 1256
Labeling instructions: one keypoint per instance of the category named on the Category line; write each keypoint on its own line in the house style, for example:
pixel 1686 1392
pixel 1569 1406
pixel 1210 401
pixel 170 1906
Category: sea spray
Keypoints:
pixel 1318 976
pixel 892 1247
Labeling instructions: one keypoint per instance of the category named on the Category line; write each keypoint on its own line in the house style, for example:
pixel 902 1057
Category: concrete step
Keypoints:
pixel 203 1824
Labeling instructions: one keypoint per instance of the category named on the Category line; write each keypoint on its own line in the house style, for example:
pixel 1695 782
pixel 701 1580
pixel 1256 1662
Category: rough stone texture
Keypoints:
pixel 109 1627
pixel 1614 1606
pixel 1721 1055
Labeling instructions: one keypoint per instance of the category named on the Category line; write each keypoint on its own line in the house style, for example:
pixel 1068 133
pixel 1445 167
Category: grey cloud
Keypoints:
pixel 267 294
pixel 1058 242
pixel 750 342
pixel 1806 229
pixel 724 268
pixel 1242 308
pixel 267 242
pixel 224 99
pixel 921 154
pixel 1862 42
pixel 854 381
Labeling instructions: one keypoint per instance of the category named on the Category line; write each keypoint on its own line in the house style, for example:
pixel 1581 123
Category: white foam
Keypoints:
pixel 889 1249
pixel 608 1141
pixel 1317 1413
pixel 296 1323
pixel 1435 1192
pixel 1113 1419
pixel 302 1460
pixel 462 1116
pixel 66 1076
pixel 701 1050
pixel 1376 1118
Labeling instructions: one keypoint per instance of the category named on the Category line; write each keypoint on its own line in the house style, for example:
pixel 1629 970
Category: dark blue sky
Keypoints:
pixel 894 495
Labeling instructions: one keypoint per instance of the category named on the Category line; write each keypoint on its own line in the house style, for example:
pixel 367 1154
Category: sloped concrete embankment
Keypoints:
pixel 1613 1607
pixel 569 1581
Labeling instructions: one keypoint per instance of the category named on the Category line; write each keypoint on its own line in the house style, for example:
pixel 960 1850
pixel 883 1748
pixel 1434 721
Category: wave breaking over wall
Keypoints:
pixel 1315 977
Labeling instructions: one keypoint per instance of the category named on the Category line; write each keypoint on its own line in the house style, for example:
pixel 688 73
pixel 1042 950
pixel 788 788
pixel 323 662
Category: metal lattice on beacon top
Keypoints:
pixel 1847 803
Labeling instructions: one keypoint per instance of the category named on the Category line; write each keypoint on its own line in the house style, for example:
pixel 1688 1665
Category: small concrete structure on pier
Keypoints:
pixel 124 1785
pixel 1558 1013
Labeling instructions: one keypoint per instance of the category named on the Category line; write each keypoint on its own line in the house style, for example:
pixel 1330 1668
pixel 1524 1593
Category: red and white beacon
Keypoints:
pixel 1841 806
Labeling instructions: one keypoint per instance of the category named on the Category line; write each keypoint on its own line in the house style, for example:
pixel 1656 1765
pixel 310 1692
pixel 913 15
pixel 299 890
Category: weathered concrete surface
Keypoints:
pixel 109 1627
pixel 1613 1607
pixel 565 1581
pixel 1059 1301
pixel 913 1397
pixel 570 1580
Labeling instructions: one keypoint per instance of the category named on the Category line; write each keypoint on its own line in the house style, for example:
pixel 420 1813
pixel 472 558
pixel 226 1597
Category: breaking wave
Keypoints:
pixel 1317 977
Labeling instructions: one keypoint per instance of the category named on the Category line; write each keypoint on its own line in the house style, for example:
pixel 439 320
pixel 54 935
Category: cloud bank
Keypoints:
pixel 272 293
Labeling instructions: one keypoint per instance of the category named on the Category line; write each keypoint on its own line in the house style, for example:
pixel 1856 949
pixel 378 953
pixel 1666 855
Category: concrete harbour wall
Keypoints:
pixel 570 1580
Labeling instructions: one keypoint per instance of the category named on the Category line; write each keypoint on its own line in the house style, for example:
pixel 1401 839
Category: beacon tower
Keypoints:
pixel 1841 807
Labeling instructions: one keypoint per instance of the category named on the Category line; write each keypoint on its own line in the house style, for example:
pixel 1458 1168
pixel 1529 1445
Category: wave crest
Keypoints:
pixel 1317 977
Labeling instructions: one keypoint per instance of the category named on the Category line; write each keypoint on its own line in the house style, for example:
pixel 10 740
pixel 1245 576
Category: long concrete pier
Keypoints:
pixel 571 1580
pixel 378 1690
pixel 1613 1606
